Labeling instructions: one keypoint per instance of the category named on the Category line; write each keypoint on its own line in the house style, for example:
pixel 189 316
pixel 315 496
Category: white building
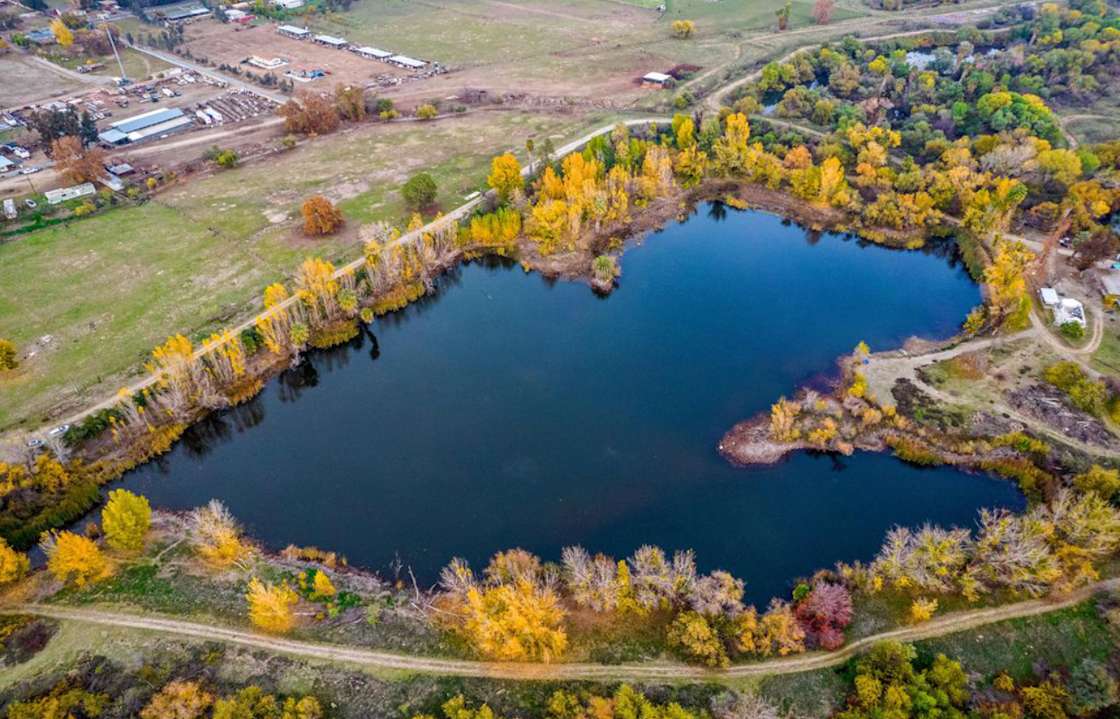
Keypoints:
pixel 1069 310
pixel 1050 298
pixel 331 41
pixel 297 33
pixel 69 193
pixel 656 78
pixel 407 62
pixel 373 53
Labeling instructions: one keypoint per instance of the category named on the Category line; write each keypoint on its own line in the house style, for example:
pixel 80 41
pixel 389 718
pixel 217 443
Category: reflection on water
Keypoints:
pixel 506 410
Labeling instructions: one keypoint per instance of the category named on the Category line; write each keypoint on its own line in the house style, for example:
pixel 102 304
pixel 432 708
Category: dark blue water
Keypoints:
pixel 510 411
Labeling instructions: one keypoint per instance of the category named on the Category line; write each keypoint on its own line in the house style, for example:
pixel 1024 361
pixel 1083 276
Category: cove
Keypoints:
pixel 506 410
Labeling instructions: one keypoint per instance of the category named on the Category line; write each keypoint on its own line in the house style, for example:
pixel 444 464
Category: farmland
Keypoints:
pixel 108 288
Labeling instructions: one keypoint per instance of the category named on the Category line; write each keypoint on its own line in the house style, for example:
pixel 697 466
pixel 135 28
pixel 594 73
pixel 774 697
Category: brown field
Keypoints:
pixel 230 44
pixel 26 82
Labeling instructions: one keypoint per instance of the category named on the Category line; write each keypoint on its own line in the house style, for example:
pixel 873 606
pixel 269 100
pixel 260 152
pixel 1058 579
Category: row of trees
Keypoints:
pixel 516 609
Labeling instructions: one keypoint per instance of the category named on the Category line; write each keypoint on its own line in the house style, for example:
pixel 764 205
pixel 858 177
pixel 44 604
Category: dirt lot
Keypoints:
pixel 231 44
pixel 26 81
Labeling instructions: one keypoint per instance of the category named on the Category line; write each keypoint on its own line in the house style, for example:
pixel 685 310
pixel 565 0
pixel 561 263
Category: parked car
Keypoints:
pixel 31 204
pixel 35 443
pixel 59 431
pixel 30 170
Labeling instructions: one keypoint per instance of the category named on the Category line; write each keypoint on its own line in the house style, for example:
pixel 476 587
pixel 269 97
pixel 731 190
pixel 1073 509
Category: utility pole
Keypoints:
pixel 113 44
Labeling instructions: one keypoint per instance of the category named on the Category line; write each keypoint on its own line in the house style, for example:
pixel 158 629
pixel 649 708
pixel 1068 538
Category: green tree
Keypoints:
pixel 420 191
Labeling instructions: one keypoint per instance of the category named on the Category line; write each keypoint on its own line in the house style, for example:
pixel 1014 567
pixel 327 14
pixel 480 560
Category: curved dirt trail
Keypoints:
pixel 651 671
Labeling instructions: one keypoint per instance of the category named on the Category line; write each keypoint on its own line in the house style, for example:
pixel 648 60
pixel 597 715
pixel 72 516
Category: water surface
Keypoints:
pixel 511 411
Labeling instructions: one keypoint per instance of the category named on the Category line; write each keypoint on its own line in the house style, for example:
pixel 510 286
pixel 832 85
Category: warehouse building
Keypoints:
pixel 338 43
pixel 296 33
pixel 146 126
pixel 373 53
pixel 407 62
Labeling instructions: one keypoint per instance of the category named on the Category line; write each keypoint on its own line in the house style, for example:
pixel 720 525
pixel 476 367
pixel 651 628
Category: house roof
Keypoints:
pixel 657 77
pixel 139 122
pixel 407 61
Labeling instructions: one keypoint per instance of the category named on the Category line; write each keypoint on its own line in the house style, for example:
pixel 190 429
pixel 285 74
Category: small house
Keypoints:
pixel 656 79
pixel 54 197
pixel 1050 298
pixel 1069 310
pixel 373 53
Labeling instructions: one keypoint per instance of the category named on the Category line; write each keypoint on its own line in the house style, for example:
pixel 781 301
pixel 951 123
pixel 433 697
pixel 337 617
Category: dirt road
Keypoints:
pixel 651 671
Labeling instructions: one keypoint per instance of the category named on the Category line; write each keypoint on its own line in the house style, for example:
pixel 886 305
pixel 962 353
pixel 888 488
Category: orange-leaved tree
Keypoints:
pixel 320 216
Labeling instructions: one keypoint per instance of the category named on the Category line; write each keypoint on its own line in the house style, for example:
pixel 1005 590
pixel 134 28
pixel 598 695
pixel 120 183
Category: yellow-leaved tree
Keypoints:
pixel 505 176
pixel 74 558
pixel 270 606
pixel 13 564
pixel 63 34
pixel 515 622
pixel 215 535
pixel 178 700
pixel 125 520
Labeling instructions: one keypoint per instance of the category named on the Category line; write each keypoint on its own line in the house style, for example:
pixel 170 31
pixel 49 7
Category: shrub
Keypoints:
pixel 270 606
pixel 13 564
pixel 697 640
pixel 320 216
pixel 427 111
pixel 1072 331
pixel 1084 392
pixel 8 355
pixel 420 191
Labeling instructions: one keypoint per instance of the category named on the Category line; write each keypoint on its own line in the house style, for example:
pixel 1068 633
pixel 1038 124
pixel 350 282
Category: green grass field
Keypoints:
pixel 136 65
pixel 108 288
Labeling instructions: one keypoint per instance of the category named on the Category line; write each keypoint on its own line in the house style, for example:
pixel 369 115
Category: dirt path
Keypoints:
pixel 651 671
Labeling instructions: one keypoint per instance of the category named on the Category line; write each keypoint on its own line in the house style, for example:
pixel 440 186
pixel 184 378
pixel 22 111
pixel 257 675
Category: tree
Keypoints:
pixel 697 640
pixel 1091 687
pixel 13 564
pixel 427 111
pixel 420 191
pixel 62 34
pixel 180 699
pixel 125 520
pixel 922 610
pixel 824 613
pixel 1105 482
pixel 515 622
pixel 270 606
pixel 8 355
pixel 310 113
pixel 320 216
pixel 74 558
pixel 683 29
pixel 505 176
pixel 783 14
pixel 822 11
pixel 321 586
pixel 215 534
pixel 80 164
pixel 351 102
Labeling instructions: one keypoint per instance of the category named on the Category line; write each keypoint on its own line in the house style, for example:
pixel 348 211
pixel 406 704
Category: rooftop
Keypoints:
pixel 147 119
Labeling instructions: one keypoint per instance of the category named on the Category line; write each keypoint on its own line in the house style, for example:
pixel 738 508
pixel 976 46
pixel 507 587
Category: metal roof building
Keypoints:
pixel 406 61
pixel 330 40
pixel 69 193
pixel 292 31
pixel 373 52
pixel 149 124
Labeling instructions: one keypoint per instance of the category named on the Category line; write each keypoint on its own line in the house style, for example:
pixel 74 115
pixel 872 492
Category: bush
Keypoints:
pixel 1084 392
pixel 427 111
pixel 420 191
pixel 8 355
pixel 1072 331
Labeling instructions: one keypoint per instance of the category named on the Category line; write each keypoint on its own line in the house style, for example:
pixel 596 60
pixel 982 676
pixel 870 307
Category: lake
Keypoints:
pixel 507 410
